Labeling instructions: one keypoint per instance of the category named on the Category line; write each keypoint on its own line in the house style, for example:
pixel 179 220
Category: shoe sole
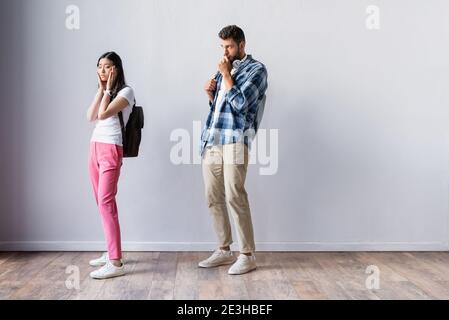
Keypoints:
pixel 110 277
pixel 217 265
pixel 237 274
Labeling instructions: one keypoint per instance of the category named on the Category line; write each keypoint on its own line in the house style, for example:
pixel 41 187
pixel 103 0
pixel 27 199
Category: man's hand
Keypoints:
pixel 225 67
pixel 210 87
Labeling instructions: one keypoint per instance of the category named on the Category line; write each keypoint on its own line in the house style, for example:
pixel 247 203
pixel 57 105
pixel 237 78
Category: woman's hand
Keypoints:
pixel 92 112
pixel 101 84
pixel 111 79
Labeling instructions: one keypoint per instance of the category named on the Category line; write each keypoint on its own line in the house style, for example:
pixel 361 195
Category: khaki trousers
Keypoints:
pixel 224 172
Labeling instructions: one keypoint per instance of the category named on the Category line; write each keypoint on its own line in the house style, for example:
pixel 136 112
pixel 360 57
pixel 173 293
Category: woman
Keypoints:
pixel 106 154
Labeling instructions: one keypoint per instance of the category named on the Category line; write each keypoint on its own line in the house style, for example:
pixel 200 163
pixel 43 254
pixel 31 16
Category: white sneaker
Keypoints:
pixel 243 265
pixel 99 262
pixel 108 271
pixel 218 258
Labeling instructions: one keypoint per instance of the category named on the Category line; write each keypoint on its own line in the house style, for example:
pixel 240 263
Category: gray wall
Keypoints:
pixel 362 118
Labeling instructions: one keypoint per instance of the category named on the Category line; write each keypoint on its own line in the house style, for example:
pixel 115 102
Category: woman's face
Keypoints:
pixel 104 68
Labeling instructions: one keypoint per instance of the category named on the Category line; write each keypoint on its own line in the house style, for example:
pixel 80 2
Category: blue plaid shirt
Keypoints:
pixel 241 109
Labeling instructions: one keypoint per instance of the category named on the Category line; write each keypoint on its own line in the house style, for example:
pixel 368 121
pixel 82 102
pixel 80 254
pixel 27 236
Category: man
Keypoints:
pixel 236 100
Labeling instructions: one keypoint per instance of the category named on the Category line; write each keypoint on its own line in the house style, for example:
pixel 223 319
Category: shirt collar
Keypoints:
pixel 237 63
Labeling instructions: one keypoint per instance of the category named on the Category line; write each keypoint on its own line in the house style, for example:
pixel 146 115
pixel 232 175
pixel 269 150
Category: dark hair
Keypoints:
pixel 232 32
pixel 120 82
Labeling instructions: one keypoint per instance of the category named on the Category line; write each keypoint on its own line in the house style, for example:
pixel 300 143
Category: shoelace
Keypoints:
pixel 242 257
pixel 109 266
pixel 216 254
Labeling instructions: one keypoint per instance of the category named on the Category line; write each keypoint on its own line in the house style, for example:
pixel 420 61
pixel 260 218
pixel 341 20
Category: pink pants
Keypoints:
pixel 105 161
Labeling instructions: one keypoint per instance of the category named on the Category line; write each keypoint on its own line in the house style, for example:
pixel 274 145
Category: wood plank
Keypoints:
pixel 349 274
pixel 259 282
pixel 302 282
pixel 4 256
pixel 290 263
pixel 259 290
pixel 279 282
pixel 386 272
pixel 19 271
pixel 308 290
pixel 140 279
pixel 421 285
pixel 323 277
pixel 117 288
pixel 436 262
pixel 163 283
pixel 90 289
pixel 50 282
pixel 186 282
pixel 232 287
pixel 210 290
pixel 216 283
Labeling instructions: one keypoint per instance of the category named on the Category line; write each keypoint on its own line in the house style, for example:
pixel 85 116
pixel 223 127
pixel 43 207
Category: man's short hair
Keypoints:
pixel 232 32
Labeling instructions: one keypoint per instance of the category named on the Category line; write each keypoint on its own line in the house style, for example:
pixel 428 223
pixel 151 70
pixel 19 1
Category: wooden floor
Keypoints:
pixel 280 275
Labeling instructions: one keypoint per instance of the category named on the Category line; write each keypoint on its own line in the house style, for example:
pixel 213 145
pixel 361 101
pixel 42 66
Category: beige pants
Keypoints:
pixel 224 172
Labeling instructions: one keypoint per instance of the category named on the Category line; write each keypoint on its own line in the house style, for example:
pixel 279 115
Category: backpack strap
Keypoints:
pixel 122 125
pixel 120 116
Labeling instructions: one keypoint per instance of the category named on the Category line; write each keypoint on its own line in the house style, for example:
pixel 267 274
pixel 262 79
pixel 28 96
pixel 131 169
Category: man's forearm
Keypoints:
pixel 228 81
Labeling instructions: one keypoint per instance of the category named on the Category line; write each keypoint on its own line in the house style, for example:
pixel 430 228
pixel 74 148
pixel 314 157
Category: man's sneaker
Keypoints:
pixel 243 265
pixel 108 271
pixel 99 262
pixel 218 258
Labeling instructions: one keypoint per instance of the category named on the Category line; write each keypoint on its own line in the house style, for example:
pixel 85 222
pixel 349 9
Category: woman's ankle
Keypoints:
pixel 116 263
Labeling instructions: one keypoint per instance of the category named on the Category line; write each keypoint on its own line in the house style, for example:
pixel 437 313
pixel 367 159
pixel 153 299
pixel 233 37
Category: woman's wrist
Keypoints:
pixel 108 92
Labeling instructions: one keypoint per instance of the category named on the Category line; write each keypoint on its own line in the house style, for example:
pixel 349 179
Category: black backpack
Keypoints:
pixel 132 133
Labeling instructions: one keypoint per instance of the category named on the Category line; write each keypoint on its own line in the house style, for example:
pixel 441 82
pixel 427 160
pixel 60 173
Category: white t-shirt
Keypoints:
pixel 109 130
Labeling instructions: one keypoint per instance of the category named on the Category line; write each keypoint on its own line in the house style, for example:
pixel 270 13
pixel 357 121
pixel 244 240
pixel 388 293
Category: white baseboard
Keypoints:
pixel 208 246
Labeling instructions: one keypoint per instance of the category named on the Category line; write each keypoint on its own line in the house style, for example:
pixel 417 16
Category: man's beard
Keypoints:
pixel 236 57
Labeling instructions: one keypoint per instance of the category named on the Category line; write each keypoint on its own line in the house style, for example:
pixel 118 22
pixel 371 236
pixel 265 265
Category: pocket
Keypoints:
pixel 119 150
pixel 119 153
